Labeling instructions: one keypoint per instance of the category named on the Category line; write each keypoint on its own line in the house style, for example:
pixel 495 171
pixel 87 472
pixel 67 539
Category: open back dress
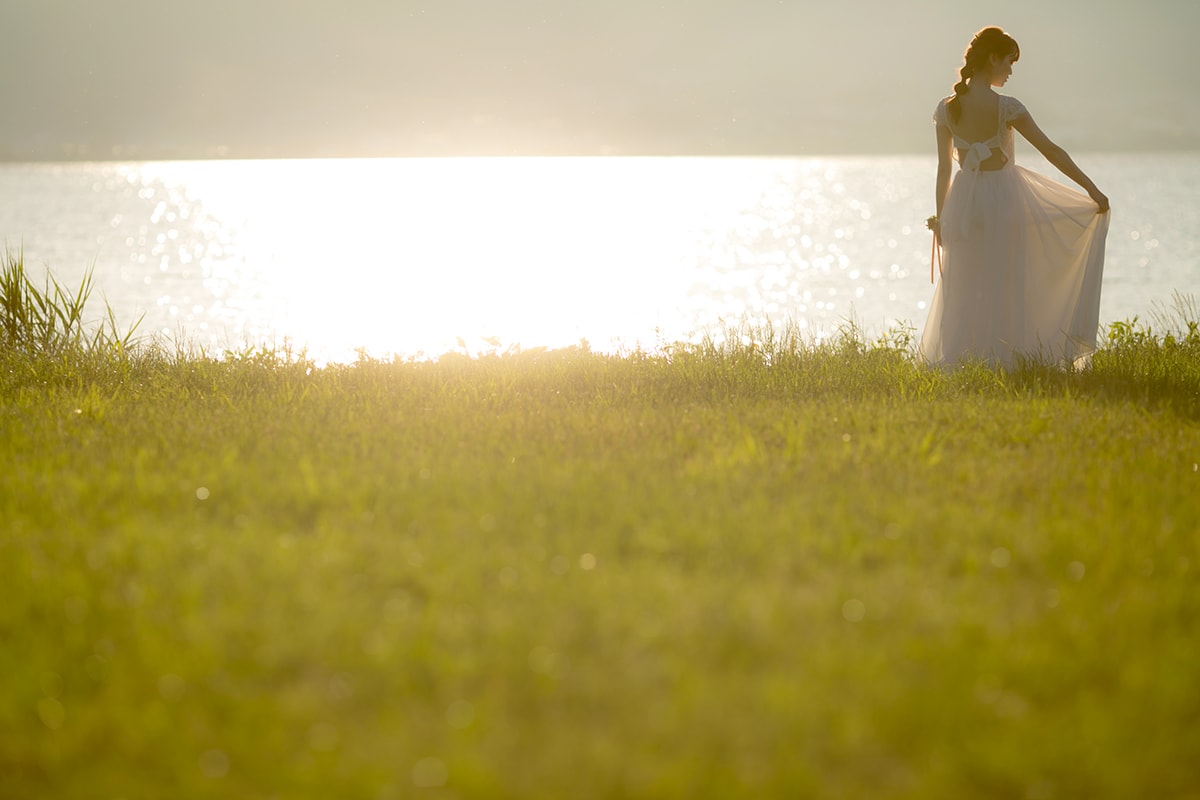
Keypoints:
pixel 1022 259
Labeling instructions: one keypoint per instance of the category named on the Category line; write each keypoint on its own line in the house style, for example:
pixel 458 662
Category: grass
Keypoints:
pixel 49 321
pixel 744 568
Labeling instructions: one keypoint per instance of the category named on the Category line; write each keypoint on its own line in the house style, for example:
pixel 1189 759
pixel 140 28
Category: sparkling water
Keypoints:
pixel 425 256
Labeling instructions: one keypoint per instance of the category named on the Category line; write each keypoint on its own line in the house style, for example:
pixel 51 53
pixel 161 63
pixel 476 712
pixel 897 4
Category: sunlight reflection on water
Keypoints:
pixel 425 256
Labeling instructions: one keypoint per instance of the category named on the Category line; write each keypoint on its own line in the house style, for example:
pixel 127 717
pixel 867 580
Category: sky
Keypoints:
pixel 119 79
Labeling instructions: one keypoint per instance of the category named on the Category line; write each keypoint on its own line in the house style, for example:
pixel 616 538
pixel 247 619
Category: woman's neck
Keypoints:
pixel 980 83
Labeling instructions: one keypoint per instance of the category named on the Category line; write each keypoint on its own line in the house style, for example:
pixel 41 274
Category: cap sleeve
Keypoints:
pixel 1013 108
pixel 939 114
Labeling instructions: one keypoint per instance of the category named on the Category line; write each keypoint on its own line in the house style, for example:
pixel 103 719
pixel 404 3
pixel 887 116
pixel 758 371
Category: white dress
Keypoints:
pixel 1022 258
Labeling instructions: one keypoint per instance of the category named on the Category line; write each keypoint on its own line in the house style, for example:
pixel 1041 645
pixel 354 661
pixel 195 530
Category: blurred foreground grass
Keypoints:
pixel 759 569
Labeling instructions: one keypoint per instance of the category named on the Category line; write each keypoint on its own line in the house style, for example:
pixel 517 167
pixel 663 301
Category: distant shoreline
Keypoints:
pixel 238 156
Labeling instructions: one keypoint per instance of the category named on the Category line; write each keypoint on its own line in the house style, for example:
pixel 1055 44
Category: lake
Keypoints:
pixel 417 257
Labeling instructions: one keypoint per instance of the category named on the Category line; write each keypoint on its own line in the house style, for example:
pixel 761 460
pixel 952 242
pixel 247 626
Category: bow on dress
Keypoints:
pixel 976 154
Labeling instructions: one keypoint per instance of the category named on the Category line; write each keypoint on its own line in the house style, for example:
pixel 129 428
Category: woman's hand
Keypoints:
pixel 935 256
pixel 1101 199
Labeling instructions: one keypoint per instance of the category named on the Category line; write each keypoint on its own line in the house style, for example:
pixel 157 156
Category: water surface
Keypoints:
pixel 424 256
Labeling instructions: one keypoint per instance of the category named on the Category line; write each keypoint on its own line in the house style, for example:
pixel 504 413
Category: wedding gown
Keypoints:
pixel 1022 257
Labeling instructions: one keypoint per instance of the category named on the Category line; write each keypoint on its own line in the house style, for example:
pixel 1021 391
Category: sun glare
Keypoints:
pixel 476 255
pixel 480 254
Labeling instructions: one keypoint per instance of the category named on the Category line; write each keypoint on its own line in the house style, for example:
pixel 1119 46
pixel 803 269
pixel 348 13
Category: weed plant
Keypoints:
pixel 749 567
pixel 49 322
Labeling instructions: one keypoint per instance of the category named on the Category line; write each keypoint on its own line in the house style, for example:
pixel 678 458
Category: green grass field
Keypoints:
pixel 757 569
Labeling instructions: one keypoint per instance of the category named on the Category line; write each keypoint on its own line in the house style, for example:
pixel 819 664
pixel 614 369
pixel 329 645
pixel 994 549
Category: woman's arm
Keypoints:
pixel 945 151
pixel 1058 157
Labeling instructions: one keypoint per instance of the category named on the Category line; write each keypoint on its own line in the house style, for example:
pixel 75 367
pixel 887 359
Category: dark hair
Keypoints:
pixel 985 44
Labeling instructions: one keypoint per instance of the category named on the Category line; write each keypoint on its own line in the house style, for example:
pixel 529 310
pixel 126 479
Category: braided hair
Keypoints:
pixel 985 44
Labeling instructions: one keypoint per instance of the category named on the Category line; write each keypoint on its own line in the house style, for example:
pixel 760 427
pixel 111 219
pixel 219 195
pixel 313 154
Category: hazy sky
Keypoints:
pixel 171 78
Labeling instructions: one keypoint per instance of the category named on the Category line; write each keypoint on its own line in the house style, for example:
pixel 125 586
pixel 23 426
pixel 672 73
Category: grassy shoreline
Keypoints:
pixel 767 569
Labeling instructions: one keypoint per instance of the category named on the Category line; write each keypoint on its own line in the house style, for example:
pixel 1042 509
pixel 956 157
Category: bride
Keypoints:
pixel 1020 255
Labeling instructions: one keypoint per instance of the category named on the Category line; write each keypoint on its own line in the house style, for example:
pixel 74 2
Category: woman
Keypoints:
pixel 1020 255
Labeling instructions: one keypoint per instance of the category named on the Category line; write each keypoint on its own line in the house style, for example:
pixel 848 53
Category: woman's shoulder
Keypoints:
pixel 939 111
pixel 1011 107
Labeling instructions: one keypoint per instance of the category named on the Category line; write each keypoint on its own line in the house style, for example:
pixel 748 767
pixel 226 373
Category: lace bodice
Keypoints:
pixel 970 154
